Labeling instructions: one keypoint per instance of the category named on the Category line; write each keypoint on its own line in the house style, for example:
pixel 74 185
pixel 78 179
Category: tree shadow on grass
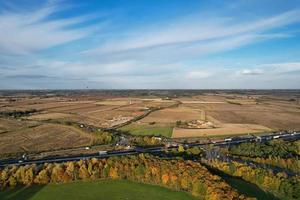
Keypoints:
pixel 20 193
pixel 242 186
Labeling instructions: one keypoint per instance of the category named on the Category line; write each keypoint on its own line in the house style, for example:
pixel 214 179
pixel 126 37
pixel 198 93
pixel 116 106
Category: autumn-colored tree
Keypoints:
pixel 4 177
pixel 83 172
pixel 71 170
pixel 184 182
pixel 57 174
pixel 176 174
pixel 113 173
pixel 12 181
pixel 165 179
pixel 42 177
pixel 198 188
pixel 277 183
pixel 28 176
pixel 180 149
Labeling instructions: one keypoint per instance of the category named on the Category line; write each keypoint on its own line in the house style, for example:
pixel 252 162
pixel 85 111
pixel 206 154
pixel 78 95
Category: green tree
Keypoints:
pixel 180 149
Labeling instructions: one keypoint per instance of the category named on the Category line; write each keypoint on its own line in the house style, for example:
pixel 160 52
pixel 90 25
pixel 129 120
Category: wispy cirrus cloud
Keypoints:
pixel 29 31
pixel 273 69
pixel 29 76
pixel 283 68
pixel 195 33
pixel 250 72
pixel 198 74
pixel 174 75
pixel 166 53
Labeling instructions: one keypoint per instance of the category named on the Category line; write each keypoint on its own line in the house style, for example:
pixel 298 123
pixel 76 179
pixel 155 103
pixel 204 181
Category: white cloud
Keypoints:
pixel 127 74
pixel 29 31
pixel 250 72
pixel 189 38
pixel 283 68
pixel 198 74
pixel 274 69
pixel 194 29
pixel 153 56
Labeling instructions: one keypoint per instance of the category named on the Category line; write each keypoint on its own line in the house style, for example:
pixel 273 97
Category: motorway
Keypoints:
pixel 137 150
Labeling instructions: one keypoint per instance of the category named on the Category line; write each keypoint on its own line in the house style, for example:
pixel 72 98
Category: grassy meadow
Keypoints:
pixel 98 190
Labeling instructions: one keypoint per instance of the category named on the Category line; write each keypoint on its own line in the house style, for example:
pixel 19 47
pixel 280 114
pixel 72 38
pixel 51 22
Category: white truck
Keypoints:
pixel 228 139
pixel 102 153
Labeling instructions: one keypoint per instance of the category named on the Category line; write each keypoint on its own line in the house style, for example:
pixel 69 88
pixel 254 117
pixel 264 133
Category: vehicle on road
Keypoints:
pixel 102 153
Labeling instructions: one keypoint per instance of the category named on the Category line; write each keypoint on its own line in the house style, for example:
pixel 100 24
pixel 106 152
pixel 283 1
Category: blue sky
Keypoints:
pixel 150 44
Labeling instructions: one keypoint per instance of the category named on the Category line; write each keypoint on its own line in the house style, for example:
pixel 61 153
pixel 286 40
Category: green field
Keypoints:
pixel 106 190
pixel 146 129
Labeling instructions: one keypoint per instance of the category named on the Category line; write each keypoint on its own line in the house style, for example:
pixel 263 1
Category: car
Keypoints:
pixel 20 161
pixel 24 156
pixel 87 148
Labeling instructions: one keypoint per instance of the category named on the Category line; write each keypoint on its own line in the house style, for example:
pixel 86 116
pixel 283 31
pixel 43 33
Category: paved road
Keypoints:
pixel 138 150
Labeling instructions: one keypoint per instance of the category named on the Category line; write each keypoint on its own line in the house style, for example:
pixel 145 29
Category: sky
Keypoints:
pixel 150 44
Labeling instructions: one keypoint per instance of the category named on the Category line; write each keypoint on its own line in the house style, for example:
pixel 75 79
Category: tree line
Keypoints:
pixel 17 113
pixel 144 141
pixel 292 164
pixel 280 153
pixel 274 148
pixel 276 183
pixel 175 174
pixel 102 136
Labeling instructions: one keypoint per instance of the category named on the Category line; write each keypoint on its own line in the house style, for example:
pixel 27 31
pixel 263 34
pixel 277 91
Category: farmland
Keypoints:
pixel 148 129
pixel 225 130
pixel 42 137
pixel 172 114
